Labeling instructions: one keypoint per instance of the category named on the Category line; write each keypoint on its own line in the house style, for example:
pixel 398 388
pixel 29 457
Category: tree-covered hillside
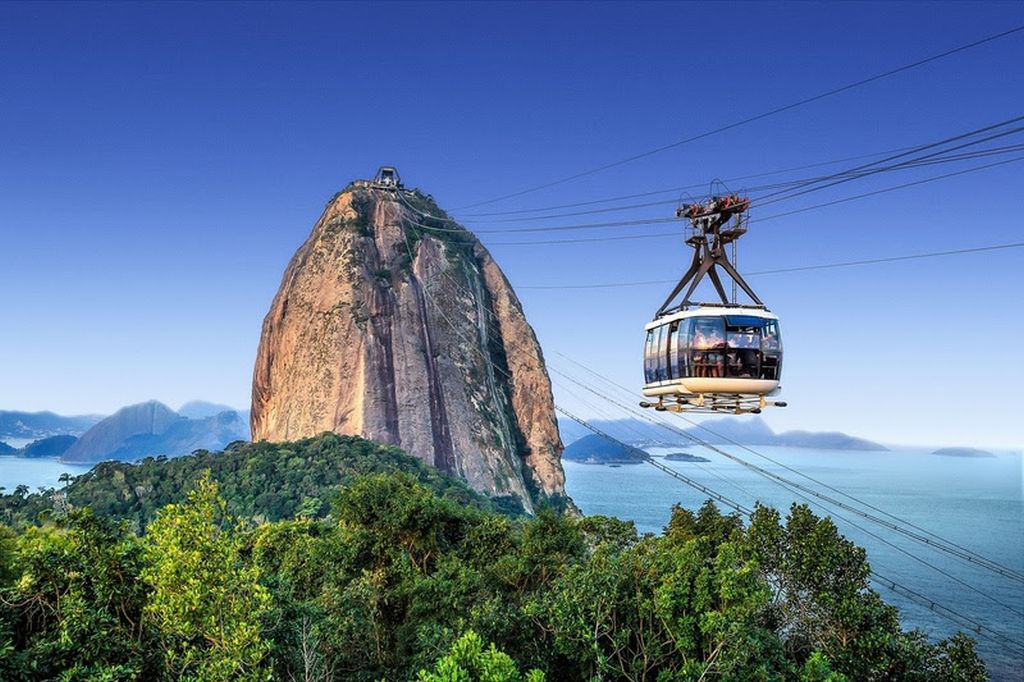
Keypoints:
pixel 334 558
pixel 259 481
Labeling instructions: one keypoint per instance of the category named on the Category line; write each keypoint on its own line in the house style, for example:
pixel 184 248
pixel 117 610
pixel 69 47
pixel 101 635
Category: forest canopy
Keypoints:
pixel 402 573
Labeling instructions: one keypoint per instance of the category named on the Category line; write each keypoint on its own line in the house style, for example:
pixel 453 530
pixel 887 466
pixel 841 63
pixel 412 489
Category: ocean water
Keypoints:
pixel 974 502
pixel 35 473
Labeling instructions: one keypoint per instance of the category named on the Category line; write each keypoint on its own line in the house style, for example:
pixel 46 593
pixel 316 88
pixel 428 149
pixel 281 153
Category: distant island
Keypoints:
pixel 685 457
pixel 596 449
pixel 964 452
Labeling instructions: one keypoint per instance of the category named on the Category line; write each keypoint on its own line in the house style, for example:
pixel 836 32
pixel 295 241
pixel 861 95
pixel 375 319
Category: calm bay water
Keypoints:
pixel 35 473
pixel 977 503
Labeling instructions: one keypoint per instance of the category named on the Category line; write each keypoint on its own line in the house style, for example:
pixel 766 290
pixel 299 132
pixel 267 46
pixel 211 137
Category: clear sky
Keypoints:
pixel 160 163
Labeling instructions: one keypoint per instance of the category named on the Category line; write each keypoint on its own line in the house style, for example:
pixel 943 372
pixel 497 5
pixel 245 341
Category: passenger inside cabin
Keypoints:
pixel 716 365
pixel 708 335
pixel 747 363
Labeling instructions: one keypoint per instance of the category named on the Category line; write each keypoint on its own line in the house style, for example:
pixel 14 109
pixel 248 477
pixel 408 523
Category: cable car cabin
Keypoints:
pixel 713 358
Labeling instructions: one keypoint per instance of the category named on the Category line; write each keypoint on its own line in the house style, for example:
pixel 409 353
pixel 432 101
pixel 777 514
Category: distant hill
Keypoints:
pixel 826 440
pixel 596 449
pixel 152 428
pixel 200 409
pixel 6 449
pixel 106 437
pixel 54 446
pixel 745 430
pixel 31 426
pixel 964 452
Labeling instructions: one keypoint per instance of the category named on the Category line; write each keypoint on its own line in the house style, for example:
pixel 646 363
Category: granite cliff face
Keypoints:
pixel 398 327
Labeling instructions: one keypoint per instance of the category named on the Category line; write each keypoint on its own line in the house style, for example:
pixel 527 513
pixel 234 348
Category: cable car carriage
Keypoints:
pixel 713 357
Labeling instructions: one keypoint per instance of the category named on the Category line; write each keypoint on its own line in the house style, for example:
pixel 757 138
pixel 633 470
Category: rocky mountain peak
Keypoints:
pixel 394 323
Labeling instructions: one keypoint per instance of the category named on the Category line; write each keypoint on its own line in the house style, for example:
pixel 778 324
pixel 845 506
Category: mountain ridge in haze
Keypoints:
pixel 743 430
pixel 18 426
pixel 152 429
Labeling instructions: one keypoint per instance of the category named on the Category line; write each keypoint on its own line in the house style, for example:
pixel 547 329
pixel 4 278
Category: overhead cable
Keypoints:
pixel 759 219
pixel 788 189
pixel 751 119
pixel 801 268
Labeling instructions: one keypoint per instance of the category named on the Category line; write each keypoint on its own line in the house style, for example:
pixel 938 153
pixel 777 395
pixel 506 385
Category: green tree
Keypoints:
pixel 818 669
pixel 685 605
pixel 469 661
pixel 206 602
pixel 72 603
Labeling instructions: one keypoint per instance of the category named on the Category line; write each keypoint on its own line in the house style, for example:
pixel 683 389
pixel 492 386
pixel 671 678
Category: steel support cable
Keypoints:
pixel 940 143
pixel 981 630
pixel 824 266
pixel 752 119
pixel 695 186
pixel 794 487
pixel 667 220
pixel 905 185
pixel 979 155
pixel 770 217
pixel 757 202
pixel 676 190
pixel 795 184
pixel 657 221
pixel 993 636
pixel 918 533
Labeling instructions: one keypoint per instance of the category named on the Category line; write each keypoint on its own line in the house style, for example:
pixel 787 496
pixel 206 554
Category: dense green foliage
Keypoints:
pixel 400 581
pixel 259 481
pixel 205 601
pixel 469 660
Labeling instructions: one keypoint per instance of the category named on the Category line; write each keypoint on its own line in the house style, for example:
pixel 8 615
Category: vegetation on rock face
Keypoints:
pixel 403 579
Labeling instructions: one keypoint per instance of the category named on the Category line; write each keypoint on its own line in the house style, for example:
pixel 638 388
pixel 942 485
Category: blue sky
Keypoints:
pixel 160 163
